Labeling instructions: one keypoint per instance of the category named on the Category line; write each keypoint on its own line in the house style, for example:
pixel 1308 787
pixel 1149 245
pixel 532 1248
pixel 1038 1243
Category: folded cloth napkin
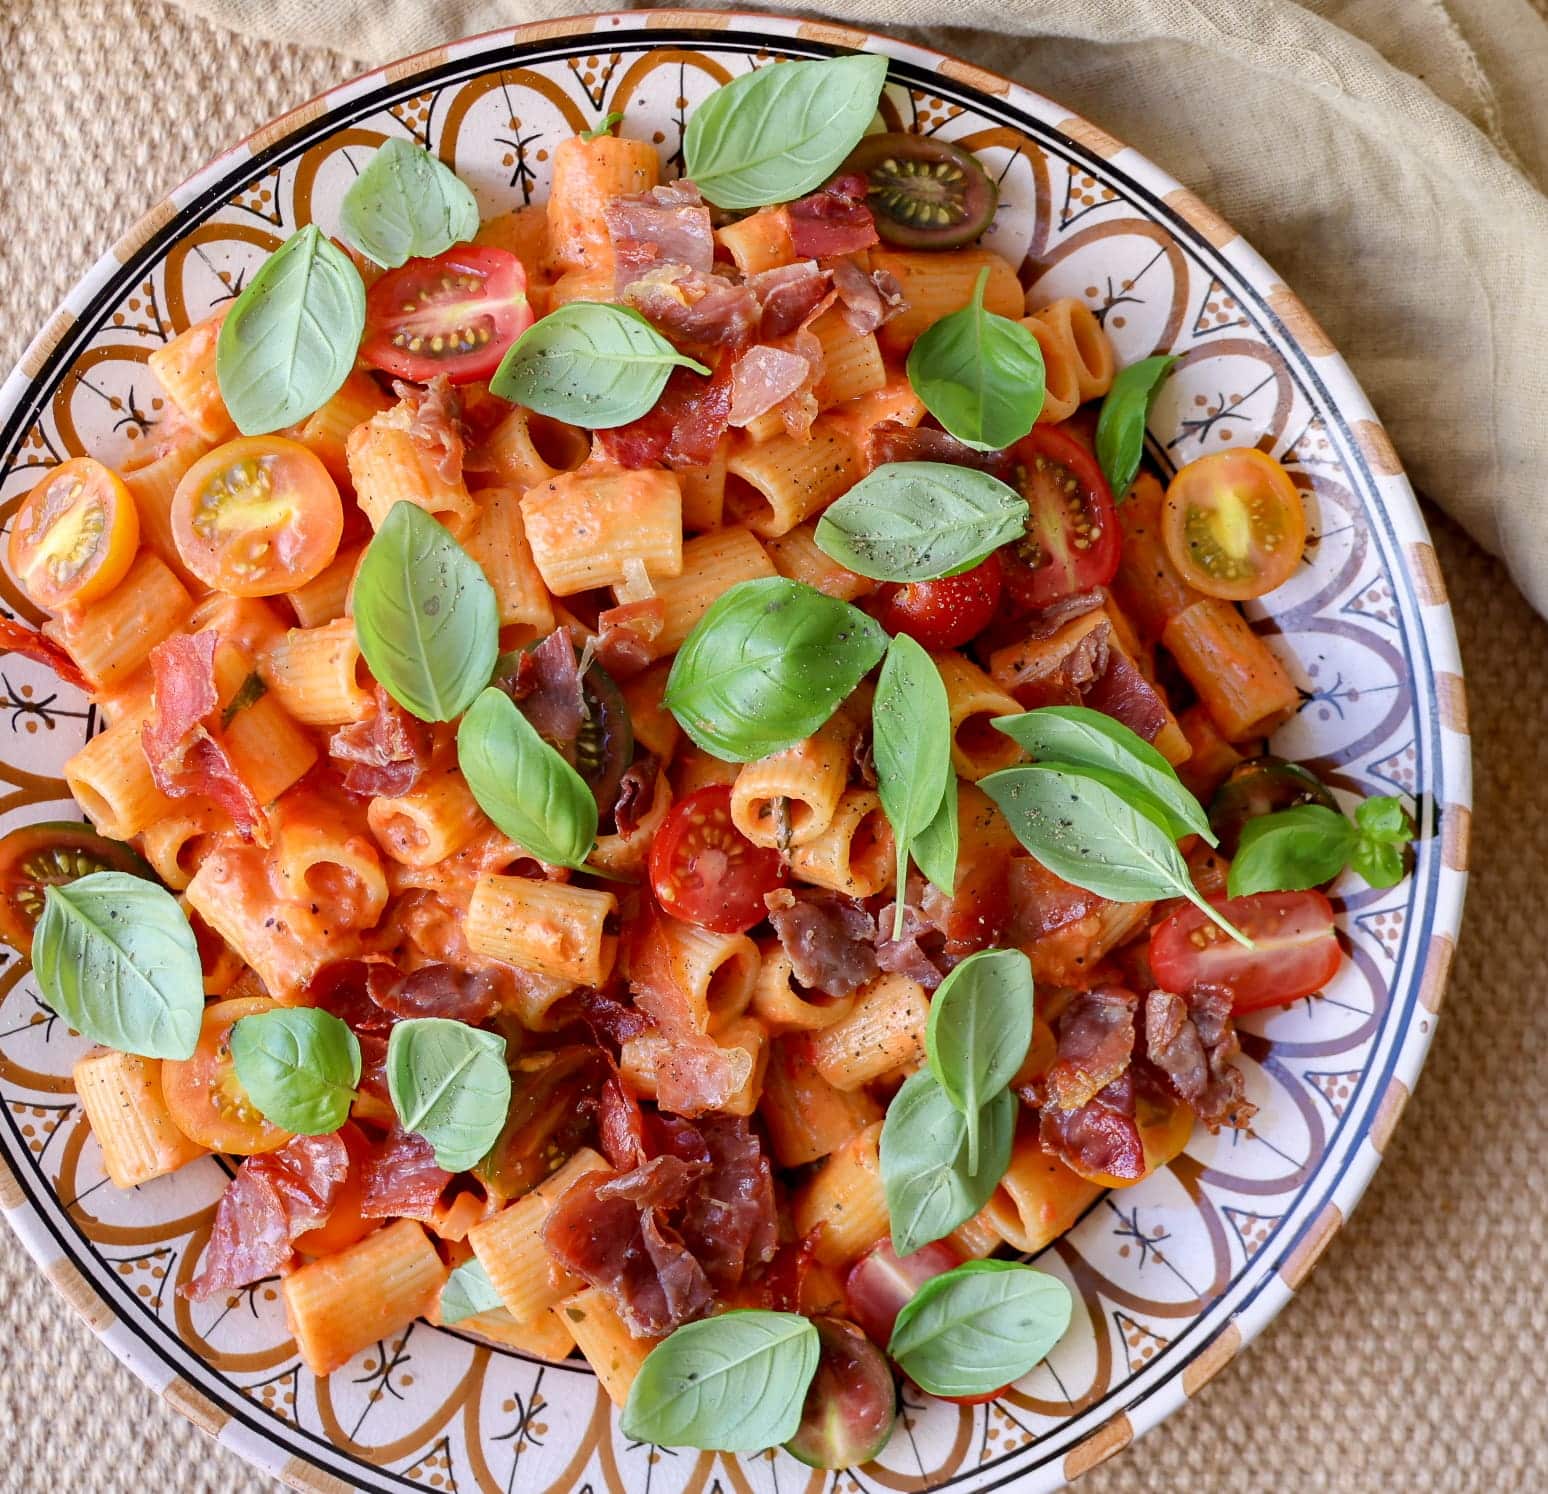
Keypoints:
pixel 1388 160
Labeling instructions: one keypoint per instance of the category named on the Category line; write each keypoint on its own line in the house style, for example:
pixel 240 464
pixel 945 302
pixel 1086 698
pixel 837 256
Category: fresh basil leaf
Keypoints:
pixel 406 205
pixel 604 126
pixel 767 665
pixel 1384 818
pixel 290 338
pixel 932 1182
pixel 1087 739
pixel 590 364
pixel 1120 432
pixel 982 1325
pixel 980 374
pixel 523 784
pixel 782 130
pixel 979 1031
pixel 425 616
pixel 918 521
pixel 114 956
pixel 911 740
pixel 732 1383
pixel 449 1083
pixel 935 847
pixel 299 1066
pixel 468 1292
pixel 1094 837
pixel 1380 862
pixel 1291 849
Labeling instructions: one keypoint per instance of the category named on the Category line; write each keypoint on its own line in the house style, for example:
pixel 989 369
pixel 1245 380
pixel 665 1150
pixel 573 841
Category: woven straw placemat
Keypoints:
pixel 1413 1358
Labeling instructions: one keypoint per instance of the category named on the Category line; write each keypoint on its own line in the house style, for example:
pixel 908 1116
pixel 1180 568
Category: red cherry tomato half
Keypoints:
pixel 1073 538
pixel 881 1281
pixel 1295 949
pixel 705 871
pixel 455 314
pixel 944 613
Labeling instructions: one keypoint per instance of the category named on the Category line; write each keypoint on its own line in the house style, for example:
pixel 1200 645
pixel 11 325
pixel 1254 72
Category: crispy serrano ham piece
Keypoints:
pixel 685 425
pixel 1096 1042
pixel 866 301
pixel 402 1178
pixel 385 755
pixel 1192 1041
pixel 829 941
pixel 273 1200
pixel 17 638
pixel 182 738
pixel 1099 1136
pixel 833 220
pixel 668 225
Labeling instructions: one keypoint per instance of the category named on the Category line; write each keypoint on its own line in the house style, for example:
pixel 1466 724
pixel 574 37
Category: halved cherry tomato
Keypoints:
pixel 945 613
pixel 851 1402
pixel 1234 524
pixel 74 536
pixel 455 314
pixel 705 871
pixel 1295 949
pixel 925 192
pixel 49 855
pixel 257 516
pixel 1073 538
pixel 553 1096
pixel 204 1096
pixel 882 1281
pixel 1262 785
pixel 345 1223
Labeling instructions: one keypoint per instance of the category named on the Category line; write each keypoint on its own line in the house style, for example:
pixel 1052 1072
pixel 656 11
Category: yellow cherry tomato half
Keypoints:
pixel 257 516
pixel 74 536
pixel 203 1094
pixel 1234 524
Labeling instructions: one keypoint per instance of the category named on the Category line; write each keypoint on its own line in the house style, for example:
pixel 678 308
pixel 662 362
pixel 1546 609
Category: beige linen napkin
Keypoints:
pixel 1386 156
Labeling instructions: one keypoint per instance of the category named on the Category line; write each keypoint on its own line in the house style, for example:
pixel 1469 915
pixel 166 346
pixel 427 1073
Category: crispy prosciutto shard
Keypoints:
pixel 273 1200
pixel 402 1178
pixel 829 941
pixel 693 1213
pixel 833 220
pixel 386 754
pixel 182 738
pixel 1192 1041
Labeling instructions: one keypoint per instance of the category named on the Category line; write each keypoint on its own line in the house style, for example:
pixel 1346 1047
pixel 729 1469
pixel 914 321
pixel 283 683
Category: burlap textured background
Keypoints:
pixel 1413 1359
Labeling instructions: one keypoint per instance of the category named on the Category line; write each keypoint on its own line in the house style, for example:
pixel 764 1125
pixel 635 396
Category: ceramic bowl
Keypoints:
pixel 1170 1278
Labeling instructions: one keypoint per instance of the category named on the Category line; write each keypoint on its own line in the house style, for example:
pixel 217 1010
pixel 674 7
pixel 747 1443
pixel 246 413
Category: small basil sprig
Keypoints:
pixel 1097 834
pixel 767 665
pixel 1120 432
pixel 406 205
pixel 980 374
pixel 114 956
pixel 468 1292
pixel 982 1325
pixel 911 738
pixel 939 1167
pixel 449 1083
pixel 527 788
pixel 1087 739
pixel 732 1383
pixel 590 364
pixel 426 617
pixel 299 1066
pixel 290 338
pixel 1310 844
pixel 918 521
pixel 778 132
pixel 979 1031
